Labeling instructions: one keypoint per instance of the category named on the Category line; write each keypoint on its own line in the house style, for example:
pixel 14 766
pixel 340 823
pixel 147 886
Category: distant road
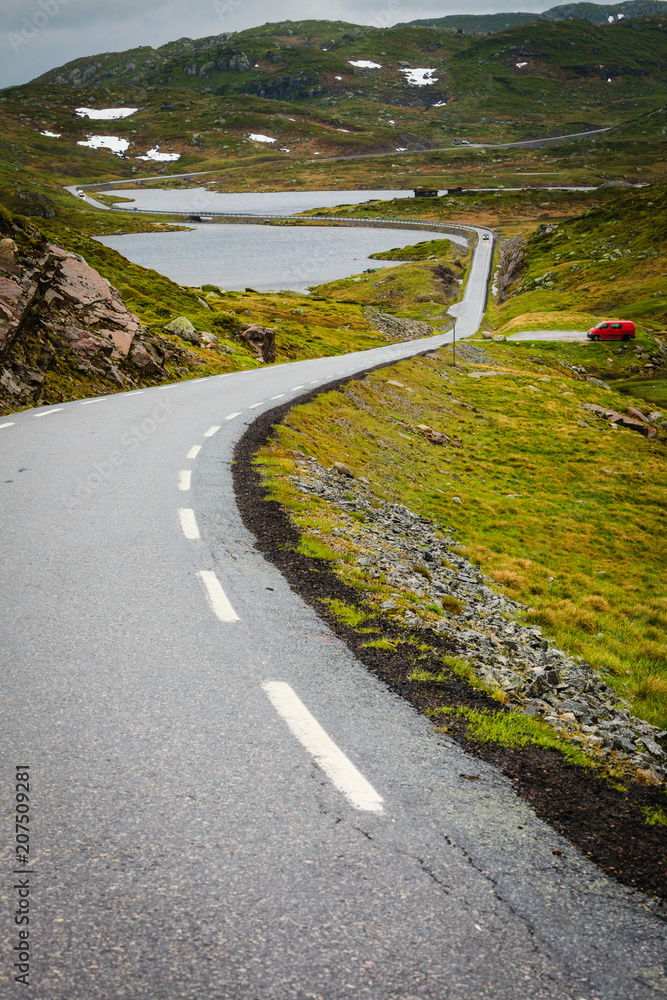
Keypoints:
pixel 527 143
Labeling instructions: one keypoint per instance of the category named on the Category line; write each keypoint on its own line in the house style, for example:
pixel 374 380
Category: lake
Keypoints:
pixel 235 256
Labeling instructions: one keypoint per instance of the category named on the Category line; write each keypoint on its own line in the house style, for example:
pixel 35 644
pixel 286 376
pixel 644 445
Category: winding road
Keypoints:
pixel 226 805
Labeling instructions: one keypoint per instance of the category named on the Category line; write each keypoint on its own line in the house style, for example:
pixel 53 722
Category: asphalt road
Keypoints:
pixel 194 833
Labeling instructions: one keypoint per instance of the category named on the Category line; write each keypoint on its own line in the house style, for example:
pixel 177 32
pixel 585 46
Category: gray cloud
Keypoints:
pixel 38 35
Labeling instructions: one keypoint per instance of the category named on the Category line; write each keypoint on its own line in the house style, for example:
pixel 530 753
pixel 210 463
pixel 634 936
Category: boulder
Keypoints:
pixel 183 328
pixel 262 340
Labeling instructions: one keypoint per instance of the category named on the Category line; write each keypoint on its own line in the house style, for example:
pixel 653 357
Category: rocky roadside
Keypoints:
pixel 426 567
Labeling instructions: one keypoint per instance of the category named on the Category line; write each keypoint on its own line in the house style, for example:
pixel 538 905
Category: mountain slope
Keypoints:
pixel 479 24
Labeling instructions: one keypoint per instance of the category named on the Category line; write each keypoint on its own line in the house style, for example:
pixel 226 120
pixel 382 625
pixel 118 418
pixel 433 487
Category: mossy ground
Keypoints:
pixel 544 494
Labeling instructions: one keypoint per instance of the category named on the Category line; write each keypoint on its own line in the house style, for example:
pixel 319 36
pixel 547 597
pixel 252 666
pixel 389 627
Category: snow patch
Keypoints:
pixel 338 78
pixel 112 142
pixel 51 135
pixel 285 149
pixel 521 65
pixel 155 154
pixel 439 104
pixel 401 149
pixel 611 19
pixel 342 130
pixel 258 137
pixel 420 77
pixel 105 114
pixel 364 64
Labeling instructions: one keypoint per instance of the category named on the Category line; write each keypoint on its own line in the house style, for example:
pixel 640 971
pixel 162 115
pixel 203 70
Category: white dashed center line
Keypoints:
pixel 85 402
pixel 255 405
pixel 279 396
pixel 333 761
pixel 46 413
pixel 297 387
pixel 315 381
pixel 211 431
pixel 230 416
pixel 7 425
pixel 184 479
pixel 189 524
pixel 194 451
pixel 217 598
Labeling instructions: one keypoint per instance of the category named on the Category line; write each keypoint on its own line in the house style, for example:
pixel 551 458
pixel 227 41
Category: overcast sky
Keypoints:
pixel 37 35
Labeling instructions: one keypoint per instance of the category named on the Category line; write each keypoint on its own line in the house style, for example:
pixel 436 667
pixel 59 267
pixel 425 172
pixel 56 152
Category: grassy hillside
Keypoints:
pixel 295 82
pixel 566 516
pixel 610 261
pixel 482 24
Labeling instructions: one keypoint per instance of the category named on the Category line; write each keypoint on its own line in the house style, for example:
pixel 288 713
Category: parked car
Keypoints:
pixel 612 329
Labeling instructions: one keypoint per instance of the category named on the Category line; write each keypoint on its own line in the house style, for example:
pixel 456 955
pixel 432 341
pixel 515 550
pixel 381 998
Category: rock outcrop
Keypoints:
pixel 58 312
pixel 511 255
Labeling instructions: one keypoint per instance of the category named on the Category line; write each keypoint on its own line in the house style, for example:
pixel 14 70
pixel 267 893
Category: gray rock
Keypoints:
pixel 183 328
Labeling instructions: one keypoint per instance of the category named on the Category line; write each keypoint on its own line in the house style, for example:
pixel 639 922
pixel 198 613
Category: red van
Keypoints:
pixel 612 329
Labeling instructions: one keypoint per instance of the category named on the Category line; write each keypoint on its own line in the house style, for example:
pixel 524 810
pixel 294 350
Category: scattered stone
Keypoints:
pixel 457 500
pixel 645 776
pixel 183 328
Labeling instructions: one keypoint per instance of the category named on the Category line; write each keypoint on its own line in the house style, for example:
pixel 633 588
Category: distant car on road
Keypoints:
pixel 485 236
pixel 612 329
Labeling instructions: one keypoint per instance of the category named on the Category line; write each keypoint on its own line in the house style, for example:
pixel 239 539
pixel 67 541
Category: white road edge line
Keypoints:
pixel 217 598
pixel 189 524
pixel 194 451
pixel 46 413
pixel 7 425
pixel 230 416
pixel 184 479
pixel 342 772
pixel 211 431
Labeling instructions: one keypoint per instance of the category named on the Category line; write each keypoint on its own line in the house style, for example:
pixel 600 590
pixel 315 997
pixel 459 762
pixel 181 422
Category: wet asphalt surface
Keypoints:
pixel 185 844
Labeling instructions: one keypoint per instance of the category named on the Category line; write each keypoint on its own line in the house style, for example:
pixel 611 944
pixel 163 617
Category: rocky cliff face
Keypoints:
pixel 59 314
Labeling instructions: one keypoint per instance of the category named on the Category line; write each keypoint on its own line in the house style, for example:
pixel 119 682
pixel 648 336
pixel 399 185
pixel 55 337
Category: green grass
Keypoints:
pixel 346 613
pixel 513 730
pixel 655 816
pixel 588 511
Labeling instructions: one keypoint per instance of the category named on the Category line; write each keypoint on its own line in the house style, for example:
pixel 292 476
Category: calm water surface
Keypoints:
pixel 276 203
pixel 235 256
